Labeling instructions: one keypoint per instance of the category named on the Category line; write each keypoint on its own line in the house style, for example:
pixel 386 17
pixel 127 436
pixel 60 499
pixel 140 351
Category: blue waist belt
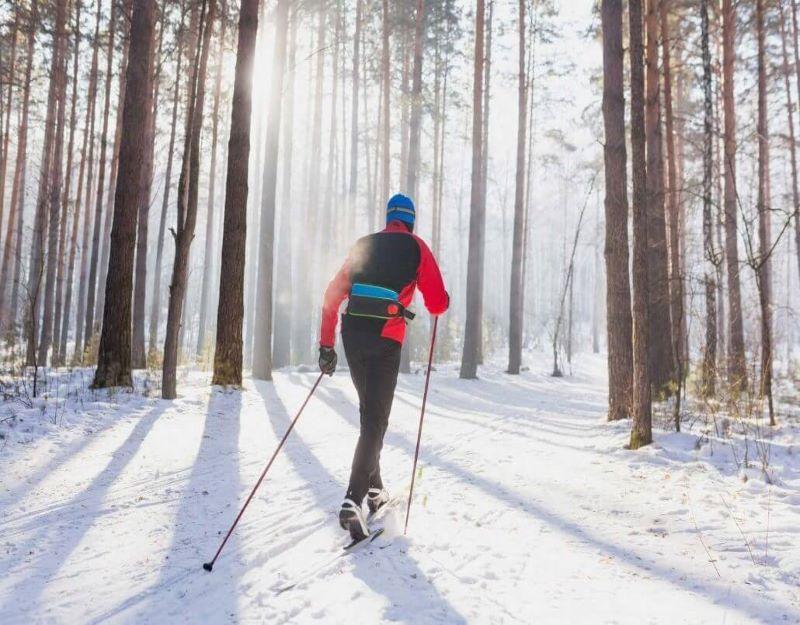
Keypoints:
pixel 368 300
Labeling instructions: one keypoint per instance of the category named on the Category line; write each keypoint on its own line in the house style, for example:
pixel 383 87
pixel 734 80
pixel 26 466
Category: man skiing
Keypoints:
pixel 378 278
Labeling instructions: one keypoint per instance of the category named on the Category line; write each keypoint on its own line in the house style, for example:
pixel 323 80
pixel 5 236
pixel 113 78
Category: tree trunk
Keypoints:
pixel 660 355
pixel 187 203
pixel 517 291
pixel 56 224
pixel 487 77
pixel 477 219
pixel 387 121
pixel 87 222
pixel 12 64
pixel 414 102
pixel 155 306
pixel 230 311
pixel 58 344
pixel 415 123
pixel 112 177
pixel 76 221
pixel 208 264
pixel 737 368
pixel 673 205
pixel 618 293
pixel 764 270
pixel 262 349
pixel 710 354
pixel 138 353
pixel 36 269
pixel 353 182
pixel 98 206
pixel 15 216
pixel 641 431
pixel 281 342
pixel 790 123
pixel 114 354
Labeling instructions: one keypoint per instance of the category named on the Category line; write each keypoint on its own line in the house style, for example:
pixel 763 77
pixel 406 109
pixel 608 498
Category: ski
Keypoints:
pixel 346 550
pixel 367 539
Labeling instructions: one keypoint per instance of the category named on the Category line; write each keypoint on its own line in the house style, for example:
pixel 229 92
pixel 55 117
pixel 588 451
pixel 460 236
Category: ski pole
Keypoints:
pixel 421 417
pixel 210 565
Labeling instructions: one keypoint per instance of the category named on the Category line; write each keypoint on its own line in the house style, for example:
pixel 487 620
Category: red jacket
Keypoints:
pixel 393 258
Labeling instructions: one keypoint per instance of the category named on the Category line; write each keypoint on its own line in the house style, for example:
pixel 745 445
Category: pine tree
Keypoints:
pixel 230 310
pixel 187 201
pixel 114 356
pixel 618 294
pixel 517 294
pixel 472 333
pixel 641 432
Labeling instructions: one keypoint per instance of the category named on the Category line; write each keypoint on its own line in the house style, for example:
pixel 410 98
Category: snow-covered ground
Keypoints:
pixel 527 509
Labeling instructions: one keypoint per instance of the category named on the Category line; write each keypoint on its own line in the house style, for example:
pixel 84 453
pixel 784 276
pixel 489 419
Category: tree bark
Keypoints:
pixel 796 50
pixel 230 311
pixel 262 349
pixel 673 208
pixel 58 344
pixel 76 220
pixel 36 267
pixel 114 354
pixel 12 65
pixel 56 224
pixel 138 353
pixel 187 203
pixel 790 124
pixel 710 354
pixel 93 285
pixel 155 306
pixel 87 222
pixel 112 177
pixel 660 355
pixel 13 237
pixel 618 292
pixel 641 431
pixel 517 292
pixel 764 270
pixel 737 368
pixel 477 219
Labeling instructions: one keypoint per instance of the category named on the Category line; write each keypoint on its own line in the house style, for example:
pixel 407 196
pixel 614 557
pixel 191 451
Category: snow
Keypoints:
pixel 527 509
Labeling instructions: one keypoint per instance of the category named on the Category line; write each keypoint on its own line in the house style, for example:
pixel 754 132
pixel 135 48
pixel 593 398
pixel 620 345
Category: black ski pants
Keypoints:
pixel 374 363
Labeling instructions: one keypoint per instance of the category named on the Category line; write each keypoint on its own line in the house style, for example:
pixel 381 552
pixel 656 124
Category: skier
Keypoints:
pixel 378 278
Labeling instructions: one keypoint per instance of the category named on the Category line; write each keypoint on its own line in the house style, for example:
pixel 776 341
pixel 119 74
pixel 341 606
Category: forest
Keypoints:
pixel 611 191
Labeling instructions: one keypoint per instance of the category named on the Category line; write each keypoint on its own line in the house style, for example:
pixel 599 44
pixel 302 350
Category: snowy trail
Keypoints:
pixel 527 510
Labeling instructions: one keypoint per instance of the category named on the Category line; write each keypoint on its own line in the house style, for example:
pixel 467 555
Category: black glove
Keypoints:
pixel 327 360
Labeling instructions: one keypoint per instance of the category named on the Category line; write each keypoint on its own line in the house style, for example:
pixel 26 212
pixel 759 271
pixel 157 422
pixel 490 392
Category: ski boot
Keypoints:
pixel 376 499
pixel 351 519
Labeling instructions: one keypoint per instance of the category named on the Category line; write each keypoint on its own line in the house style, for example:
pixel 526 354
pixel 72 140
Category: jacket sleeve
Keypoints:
pixel 337 291
pixel 429 281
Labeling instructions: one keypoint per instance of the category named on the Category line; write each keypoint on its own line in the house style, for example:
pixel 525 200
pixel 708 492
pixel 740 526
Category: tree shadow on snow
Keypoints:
pixel 404 596
pixel 184 592
pixel 747 602
pixel 73 520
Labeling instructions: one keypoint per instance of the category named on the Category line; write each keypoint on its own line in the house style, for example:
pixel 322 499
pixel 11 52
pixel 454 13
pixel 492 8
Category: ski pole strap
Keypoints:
pixel 377 302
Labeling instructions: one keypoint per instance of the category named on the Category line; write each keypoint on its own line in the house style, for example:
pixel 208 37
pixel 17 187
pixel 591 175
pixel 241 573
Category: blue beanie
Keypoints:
pixel 400 207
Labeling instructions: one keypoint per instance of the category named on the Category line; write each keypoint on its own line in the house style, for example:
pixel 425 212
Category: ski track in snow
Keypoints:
pixel 527 509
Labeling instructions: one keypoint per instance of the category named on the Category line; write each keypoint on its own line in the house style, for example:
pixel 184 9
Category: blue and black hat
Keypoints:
pixel 400 207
